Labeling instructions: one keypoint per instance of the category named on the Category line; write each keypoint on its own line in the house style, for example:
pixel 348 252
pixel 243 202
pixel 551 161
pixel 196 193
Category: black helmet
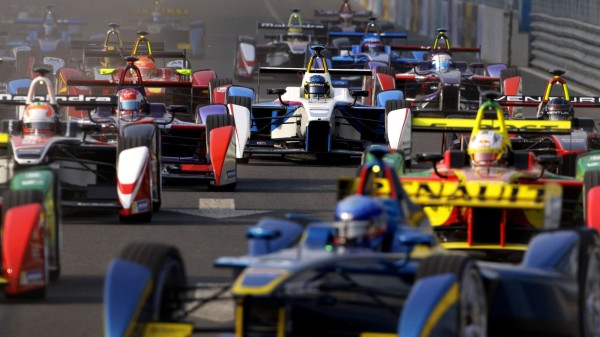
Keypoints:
pixel 558 109
pixel 316 87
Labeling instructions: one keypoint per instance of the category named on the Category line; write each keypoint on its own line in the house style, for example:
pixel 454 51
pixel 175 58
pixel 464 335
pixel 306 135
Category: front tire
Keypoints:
pixel 164 299
pixel 472 313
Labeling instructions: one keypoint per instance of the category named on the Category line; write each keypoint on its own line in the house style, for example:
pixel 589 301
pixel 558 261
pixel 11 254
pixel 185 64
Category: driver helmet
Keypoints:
pixel 146 66
pixel 486 148
pixel 39 117
pixel 441 62
pixel 346 13
pixel 373 45
pixel 558 109
pixel 360 222
pixel 130 104
pixel 316 87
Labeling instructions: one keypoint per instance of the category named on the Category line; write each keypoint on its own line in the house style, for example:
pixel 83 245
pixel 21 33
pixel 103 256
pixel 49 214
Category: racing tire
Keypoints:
pixel 164 299
pixel 216 121
pixel 14 198
pixel 472 313
pixel 385 70
pixel 241 39
pixel 392 105
pixel 213 122
pixel 589 282
pixel 591 179
pixel 508 73
pixel 247 103
pixel 244 101
pixel 217 82
pixel 129 142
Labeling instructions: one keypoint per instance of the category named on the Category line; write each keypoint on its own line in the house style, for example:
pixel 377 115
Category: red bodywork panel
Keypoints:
pixel 23 250
pixel 220 138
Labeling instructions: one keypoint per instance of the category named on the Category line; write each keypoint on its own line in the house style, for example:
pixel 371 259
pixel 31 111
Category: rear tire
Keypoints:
pixel 589 283
pixel 217 82
pixel 168 275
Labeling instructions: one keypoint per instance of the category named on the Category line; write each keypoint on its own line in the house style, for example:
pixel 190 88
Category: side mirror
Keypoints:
pixel 178 108
pixel 549 160
pixel 359 93
pixel 262 233
pixel 278 91
pixel 429 157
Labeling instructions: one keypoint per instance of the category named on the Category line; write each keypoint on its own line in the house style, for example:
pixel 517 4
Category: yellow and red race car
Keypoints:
pixel 490 197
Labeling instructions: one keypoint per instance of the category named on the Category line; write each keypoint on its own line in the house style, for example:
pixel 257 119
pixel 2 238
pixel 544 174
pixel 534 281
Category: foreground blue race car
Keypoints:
pixel 377 269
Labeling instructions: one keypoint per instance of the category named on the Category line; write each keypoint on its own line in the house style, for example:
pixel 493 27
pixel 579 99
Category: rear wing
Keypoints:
pixel 335 72
pixel 488 194
pixel 79 100
pixel 155 54
pixel 525 126
pixel 115 84
pixel 362 34
pixel 272 25
pixel 332 12
pixel 431 49
pixel 576 101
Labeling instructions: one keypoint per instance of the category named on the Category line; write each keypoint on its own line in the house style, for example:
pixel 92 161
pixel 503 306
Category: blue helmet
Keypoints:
pixel 360 221
pixel 316 86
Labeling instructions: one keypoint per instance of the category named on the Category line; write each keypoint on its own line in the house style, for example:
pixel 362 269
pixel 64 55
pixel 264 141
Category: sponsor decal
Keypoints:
pixel 32 277
pixel 473 191
pixel 231 174
pixel 53 60
pixel 221 89
pixel 140 206
pixel 77 98
pixel 537 99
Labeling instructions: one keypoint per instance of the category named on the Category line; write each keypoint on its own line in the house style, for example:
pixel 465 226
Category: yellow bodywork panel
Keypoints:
pixel 491 194
pixel 512 125
pixel 168 330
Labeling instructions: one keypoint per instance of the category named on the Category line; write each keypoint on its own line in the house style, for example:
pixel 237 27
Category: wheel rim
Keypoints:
pixel 592 296
pixel 473 312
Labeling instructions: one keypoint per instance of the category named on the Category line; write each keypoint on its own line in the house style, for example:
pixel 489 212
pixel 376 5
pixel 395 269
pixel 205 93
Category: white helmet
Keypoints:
pixel 441 62
pixel 39 117
pixel 486 148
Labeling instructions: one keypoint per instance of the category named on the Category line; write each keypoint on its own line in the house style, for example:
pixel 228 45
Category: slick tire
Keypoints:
pixel 472 313
pixel 169 279
pixel 591 179
pixel 589 282
pixel 213 122
pixel 217 82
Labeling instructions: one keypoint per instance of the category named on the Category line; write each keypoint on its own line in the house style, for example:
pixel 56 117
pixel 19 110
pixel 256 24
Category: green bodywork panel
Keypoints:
pixel 588 162
pixel 394 160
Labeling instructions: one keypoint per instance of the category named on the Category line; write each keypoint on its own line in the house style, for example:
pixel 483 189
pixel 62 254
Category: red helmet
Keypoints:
pixel 146 66
pixel 39 117
pixel 130 104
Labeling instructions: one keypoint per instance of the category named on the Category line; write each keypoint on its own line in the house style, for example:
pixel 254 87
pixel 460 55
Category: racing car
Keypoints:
pixel 46 43
pixel 316 118
pixel 204 150
pixel 489 197
pixel 370 272
pixel 371 47
pixel 170 26
pixel 583 136
pixel 443 83
pixel 346 19
pixel 282 50
pixel 31 232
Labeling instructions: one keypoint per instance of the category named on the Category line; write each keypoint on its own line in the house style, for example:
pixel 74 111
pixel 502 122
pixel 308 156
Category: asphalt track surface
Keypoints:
pixel 266 187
